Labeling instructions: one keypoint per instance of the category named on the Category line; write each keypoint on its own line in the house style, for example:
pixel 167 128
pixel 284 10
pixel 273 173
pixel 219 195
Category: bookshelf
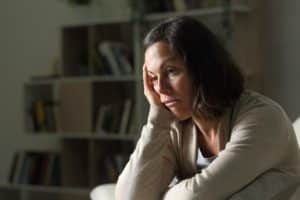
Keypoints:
pixel 94 106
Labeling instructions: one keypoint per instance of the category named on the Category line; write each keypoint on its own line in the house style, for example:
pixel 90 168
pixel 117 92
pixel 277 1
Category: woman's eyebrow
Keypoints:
pixel 163 64
pixel 168 59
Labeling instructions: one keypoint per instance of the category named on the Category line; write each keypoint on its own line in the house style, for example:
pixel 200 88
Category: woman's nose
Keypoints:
pixel 163 86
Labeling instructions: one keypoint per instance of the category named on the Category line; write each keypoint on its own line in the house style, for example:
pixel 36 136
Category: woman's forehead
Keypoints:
pixel 160 53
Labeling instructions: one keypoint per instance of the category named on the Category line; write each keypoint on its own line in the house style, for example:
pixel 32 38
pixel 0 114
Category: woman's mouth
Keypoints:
pixel 170 103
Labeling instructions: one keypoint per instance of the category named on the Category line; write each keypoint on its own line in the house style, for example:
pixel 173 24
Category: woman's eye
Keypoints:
pixel 153 78
pixel 172 71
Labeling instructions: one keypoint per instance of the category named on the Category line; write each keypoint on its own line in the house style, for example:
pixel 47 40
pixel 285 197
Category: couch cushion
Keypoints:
pixel 103 192
pixel 297 129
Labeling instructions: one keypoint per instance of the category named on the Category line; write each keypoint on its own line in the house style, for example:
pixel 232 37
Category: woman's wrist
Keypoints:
pixel 159 115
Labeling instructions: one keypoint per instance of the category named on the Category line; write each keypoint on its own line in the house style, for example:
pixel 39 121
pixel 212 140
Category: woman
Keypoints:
pixel 206 136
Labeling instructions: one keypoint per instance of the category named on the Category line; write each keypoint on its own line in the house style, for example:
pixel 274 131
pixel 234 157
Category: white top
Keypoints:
pixel 203 162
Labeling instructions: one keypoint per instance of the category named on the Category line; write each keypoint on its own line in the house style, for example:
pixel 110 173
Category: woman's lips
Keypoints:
pixel 170 103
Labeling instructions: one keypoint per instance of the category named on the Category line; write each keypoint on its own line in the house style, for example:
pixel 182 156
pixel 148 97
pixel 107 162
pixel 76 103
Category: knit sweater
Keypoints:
pixel 255 136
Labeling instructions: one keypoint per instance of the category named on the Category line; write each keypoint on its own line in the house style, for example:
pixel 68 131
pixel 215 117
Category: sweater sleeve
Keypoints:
pixel 258 142
pixel 152 164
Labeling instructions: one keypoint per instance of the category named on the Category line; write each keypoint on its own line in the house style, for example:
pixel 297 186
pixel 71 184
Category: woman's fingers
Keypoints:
pixel 149 92
pixel 145 78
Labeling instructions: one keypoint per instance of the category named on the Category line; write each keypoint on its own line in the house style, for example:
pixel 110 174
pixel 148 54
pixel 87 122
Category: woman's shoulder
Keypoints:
pixel 254 102
pixel 251 97
pixel 256 110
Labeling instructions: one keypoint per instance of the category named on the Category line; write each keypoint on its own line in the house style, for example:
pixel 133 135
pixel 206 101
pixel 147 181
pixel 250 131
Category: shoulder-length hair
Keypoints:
pixel 216 79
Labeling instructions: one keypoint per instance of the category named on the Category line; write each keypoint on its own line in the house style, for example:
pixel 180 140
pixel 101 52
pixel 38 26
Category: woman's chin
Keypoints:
pixel 181 116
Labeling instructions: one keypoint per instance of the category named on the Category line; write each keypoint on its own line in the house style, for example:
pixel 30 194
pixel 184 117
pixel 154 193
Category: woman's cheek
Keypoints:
pixel 155 88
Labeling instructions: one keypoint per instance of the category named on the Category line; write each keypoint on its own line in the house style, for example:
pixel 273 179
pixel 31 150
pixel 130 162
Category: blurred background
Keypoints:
pixel 58 52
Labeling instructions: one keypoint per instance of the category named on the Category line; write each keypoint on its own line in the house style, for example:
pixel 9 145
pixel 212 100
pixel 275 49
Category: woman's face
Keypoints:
pixel 169 78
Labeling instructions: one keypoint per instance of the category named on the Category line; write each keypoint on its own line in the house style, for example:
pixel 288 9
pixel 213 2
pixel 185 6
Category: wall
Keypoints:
pixel 29 40
pixel 282 76
pixel 250 41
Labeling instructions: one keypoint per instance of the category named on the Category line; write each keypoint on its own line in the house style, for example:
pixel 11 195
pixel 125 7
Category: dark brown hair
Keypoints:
pixel 216 79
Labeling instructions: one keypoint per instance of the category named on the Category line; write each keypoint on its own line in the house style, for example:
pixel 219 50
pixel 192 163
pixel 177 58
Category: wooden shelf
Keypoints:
pixel 95 20
pixel 104 78
pixel 201 12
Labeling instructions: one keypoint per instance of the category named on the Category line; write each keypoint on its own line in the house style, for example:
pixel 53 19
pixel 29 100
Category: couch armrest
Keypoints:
pixel 103 192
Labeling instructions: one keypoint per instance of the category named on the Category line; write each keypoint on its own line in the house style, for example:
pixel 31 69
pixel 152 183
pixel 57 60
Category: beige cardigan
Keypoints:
pixel 255 137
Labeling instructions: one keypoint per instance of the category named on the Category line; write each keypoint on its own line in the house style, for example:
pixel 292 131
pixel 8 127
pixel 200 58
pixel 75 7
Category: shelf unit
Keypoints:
pixel 84 85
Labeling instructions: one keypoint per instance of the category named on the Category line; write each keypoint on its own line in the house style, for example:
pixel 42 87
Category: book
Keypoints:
pixel 25 170
pixel 125 116
pixel 39 115
pixel 193 4
pixel 116 56
pixel 35 168
pixel 115 118
pixel 13 168
pixel 179 5
pixel 102 111
pixel 32 175
pixel 109 118
pixel 55 177
pixel 50 116
pixel 42 115
pixel 46 165
pixel 209 3
pixel 101 65
pixel 122 57
pixel 132 124
pixel 106 49
pixel 19 166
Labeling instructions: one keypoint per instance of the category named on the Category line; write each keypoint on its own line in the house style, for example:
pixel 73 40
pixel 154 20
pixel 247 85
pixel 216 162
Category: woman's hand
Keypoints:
pixel 152 96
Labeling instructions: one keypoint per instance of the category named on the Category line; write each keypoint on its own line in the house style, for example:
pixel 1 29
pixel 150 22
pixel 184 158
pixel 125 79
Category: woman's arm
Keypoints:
pixel 258 143
pixel 151 166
